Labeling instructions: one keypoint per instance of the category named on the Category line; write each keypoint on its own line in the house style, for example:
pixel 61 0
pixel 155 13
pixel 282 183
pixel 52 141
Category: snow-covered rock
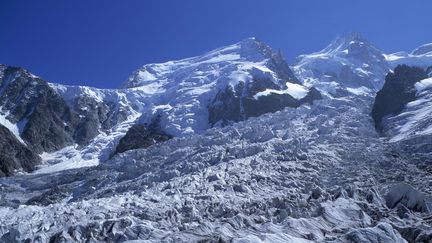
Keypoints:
pixel 404 105
pixel 382 233
pixel 420 57
pixel 188 96
pixel 398 90
pixel 402 194
pixel 217 88
pixel 317 173
pixel 425 49
pixel 249 181
pixel 350 61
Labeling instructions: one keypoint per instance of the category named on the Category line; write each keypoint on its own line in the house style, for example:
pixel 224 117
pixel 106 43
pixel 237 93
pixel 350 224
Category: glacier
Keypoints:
pixel 317 172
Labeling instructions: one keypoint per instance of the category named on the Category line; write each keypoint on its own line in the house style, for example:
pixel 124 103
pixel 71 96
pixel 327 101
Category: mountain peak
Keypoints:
pixel 354 36
pixel 352 41
pixel 349 60
pixel 249 50
pixel 249 39
pixel 215 85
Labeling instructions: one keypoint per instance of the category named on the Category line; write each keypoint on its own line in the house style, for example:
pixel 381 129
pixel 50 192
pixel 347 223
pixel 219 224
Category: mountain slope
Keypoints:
pixel 14 155
pixel 317 173
pixel 412 118
pixel 397 91
pixel 420 57
pixel 51 119
pixel 218 88
pixel 188 96
pixel 312 174
pixel 75 126
pixel 39 113
pixel 350 63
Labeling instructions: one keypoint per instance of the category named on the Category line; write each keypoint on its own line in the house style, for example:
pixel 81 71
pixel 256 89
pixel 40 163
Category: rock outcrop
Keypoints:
pixel 397 91
pixel 15 156
pixel 46 121
pixel 141 136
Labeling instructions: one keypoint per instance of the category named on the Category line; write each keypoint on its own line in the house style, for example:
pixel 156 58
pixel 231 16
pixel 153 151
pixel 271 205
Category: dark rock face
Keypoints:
pixel 398 90
pixel 49 126
pixel 312 95
pixel 92 114
pixel 226 107
pixel 141 136
pixel 95 114
pixel 279 65
pixel 240 104
pixel 234 104
pixel 14 155
pixel 268 104
pixel 46 120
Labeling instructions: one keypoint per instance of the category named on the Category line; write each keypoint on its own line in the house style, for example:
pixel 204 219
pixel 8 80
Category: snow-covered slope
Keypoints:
pixel 185 97
pixel 70 126
pixel 350 61
pixel 179 93
pixel 317 173
pixel 123 110
pixel 352 65
pixel 420 57
pixel 415 120
pixel 312 174
pixel 184 92
pixel 9 125
pixel 425 49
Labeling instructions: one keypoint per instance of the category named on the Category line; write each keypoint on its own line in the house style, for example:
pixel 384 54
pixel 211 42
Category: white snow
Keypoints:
pixel 362 71
pixel 253 181
pixel 11 126
pixel 64 159
pixel 423 84
pixel 420 60
pixel 176 88
pixel 295 90
pixel 415 119
pixel 249 181
pixel 360 91
pixel 99 149
pixel 350 61
pixel 425 49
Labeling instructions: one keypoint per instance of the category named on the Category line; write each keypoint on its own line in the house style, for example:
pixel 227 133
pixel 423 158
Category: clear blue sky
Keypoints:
pixel 100 42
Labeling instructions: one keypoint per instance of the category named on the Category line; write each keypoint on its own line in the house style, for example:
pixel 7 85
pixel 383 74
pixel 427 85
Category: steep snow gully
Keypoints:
pixel 315 170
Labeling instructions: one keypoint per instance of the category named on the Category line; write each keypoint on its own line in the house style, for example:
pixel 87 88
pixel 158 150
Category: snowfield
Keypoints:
pixel 295 90
pixel 9 125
